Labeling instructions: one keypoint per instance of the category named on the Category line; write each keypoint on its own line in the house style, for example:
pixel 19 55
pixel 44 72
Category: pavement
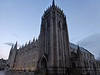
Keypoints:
pixel 2 73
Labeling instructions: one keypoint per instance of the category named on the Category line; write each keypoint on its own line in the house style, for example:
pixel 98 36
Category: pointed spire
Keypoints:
pixel 15 45
pixel 78 50
pixel 53 3
pixel 12 47
pixel 34 39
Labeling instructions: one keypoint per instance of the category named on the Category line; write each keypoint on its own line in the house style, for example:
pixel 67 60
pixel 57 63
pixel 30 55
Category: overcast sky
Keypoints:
pixel 20 21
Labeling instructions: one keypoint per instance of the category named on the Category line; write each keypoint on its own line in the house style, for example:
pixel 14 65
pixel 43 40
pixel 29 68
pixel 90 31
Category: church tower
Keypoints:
pixel 54 41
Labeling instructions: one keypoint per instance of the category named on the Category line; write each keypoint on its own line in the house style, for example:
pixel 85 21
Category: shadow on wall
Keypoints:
pixel 18 73
pixel 42 72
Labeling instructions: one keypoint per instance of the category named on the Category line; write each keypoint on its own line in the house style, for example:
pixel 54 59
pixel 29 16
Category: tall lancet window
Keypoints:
pixel 47 25
pixel 59 24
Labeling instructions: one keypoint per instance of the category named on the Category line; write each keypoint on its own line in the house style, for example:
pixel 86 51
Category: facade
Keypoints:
pixel 24 58
pixel 53 51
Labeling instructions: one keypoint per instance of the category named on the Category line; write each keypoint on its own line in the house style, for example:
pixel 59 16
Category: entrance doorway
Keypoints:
pixel 43 63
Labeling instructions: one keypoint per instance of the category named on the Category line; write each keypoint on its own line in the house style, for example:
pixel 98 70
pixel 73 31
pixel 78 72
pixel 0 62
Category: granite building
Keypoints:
pixel 52 50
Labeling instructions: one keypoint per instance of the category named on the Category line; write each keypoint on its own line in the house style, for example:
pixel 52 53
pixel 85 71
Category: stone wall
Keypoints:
pixel 25 57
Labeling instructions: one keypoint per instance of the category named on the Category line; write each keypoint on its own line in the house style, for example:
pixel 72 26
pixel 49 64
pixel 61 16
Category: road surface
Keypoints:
pixel 2 73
